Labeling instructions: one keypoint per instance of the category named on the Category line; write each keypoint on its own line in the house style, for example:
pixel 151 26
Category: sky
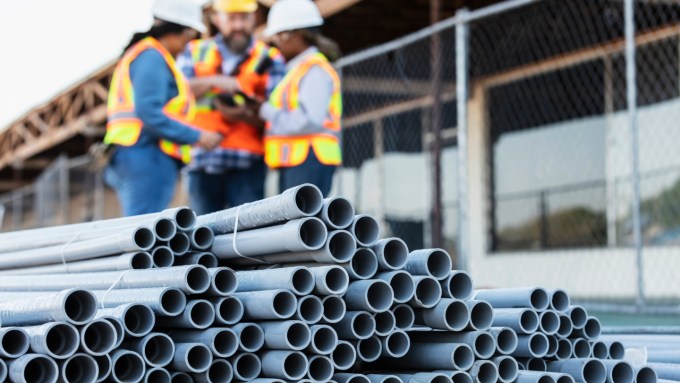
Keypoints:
pixel 49 45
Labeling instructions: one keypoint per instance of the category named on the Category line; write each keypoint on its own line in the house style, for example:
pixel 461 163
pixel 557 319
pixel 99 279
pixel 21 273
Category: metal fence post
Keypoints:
pixel 631 88
pixel 461 106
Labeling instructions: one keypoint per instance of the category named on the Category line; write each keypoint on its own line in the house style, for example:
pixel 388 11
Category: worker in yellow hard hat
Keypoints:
pixel 228 73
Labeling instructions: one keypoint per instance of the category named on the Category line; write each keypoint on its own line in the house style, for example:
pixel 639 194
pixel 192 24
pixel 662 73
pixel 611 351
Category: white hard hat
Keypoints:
pixel 183 12
pixel 289 15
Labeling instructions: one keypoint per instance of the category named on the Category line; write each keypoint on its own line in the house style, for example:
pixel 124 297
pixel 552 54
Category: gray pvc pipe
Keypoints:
pixel 564 349
pixel 137 260
pixel 663 371
pixel 301 201
pixel 404 316
pixel 191 357
pixel 320 368
pixel 506 367
pixel 428 292
pixel 363 265
pixel 323 340
pixel 137 319
pixel 103 367
pixel 531 346
pixel 560 377
pixel 566 327
pixel 337 213
pixel 381 378
pixel 75 306
pixel 385 323
pixel 228 310
pixel 268 304
pixel 645 375
pixel 288 335
pixel 297 279
pixel 548 322
pixel 32 368
pixel 559 300
pixel 164 301
pixel 193 279
pixel 157 375
pixel 583 370
pixel 355 325
pixel 157 349
pixel 599 350
pixel 396 344
pixel 534 377
pixel 268 380
pixel 369 349
pixel 578 316
pixel 223 281
pixel 198 314
pixel 591 330
pixel 580 348
pixel 220 371
pixel 79 368
pixel 365 230
pixel 289 365
pixel 615 350
pixel 201 238
pixel 506 339
pixel 484 371
pixel 482 343
pixel 344 355
pixel 456 376
pixel 424 377
pixel 334 309
pixel 14 342
pixel 305 234
pixel 330 280
pixel 618 371
pixel 438 356
pixel 552 347
pixel 245 366
pixel 223 342
pixel 435 263
pixel 457 285
pixel 127 366
pixel 180 244
pixel 137 239
pixel 162 256
pixel 250 336
pixel 533 364
pixel 58 340
pixel 523 321
pixel 402 284
pixel 206 259
pixel 481 315
pixel 448 314
pixel 98 337
pixel 309 309
pixel 350 378
pixel 536 298
pixel 392 253
pixel 373 295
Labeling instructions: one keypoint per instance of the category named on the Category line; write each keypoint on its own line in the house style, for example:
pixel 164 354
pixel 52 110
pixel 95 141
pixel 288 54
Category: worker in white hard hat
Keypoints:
pixel 303 133
pixel 225 72
pixel 150 111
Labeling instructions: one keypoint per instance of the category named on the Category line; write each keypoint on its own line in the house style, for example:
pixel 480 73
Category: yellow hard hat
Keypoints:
pixel 235 6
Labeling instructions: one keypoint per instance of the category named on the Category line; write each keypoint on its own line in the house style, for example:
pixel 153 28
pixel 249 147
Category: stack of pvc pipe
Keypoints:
pixel 291 288
pixel 658 350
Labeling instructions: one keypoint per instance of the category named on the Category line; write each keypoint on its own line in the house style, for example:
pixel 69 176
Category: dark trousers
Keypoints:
pixel 311 171
pixel 212 192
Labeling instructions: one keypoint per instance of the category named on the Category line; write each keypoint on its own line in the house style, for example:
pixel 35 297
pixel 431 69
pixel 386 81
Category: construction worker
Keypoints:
pixel 150 109
pixel 303 113
pixel 226 73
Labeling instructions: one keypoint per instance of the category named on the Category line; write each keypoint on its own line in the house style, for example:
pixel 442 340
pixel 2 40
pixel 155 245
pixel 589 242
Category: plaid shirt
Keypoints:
pixel 221 160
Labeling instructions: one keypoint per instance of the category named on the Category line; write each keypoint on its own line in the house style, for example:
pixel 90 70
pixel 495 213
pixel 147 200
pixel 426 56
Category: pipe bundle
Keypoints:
pixel 290 288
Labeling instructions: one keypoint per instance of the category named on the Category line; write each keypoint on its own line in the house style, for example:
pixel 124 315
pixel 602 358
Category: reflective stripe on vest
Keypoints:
pixel 287 151
pixel 207 61
pixel 123 126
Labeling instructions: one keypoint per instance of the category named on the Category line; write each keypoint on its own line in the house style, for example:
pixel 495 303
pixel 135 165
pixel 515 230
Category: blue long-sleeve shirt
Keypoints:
pixel 154 85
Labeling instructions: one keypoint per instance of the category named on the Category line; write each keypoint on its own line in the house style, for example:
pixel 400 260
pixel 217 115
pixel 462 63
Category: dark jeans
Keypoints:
pixel 311 171
pixel 212 192
pixel 143 177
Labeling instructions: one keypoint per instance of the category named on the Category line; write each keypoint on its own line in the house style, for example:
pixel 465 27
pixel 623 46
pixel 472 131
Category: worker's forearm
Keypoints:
pixel 201 85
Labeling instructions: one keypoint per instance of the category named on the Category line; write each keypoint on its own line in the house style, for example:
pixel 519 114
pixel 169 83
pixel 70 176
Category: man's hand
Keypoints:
pixel 226 84
pixel 209 140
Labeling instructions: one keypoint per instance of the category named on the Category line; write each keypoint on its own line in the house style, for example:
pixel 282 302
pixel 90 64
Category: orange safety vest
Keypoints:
pixel 123 126
pixel 292 150
pixel 251 75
